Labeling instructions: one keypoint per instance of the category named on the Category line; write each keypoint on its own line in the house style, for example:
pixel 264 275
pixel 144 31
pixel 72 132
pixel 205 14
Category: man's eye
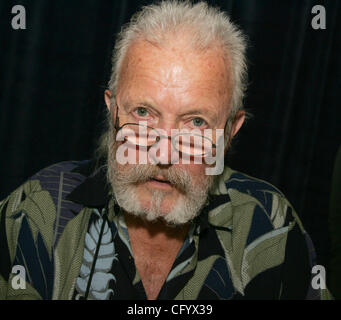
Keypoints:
pixel 141 112
pixel 198 122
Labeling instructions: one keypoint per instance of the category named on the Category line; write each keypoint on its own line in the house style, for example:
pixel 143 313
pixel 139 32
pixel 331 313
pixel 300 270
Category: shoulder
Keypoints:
pixel 249 185
pixel 47 188
pixel 44 190
pixel 264 202
pixel 266 236
pixel 32 219
pixel 56 170
pixel 63 174
pixel 39 200
pixel 55 179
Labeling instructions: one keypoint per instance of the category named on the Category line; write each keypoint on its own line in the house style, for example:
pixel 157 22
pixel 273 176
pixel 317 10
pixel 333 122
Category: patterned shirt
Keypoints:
pixel 65 229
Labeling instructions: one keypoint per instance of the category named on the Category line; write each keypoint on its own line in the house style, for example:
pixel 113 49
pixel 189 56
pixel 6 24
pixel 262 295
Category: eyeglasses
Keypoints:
pixel 189 143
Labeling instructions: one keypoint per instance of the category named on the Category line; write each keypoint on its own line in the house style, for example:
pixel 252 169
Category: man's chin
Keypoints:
pixel 157 208
pixel 168 218
pixel 159 205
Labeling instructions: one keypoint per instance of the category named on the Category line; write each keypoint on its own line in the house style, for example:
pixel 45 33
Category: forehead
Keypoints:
pixel 175 73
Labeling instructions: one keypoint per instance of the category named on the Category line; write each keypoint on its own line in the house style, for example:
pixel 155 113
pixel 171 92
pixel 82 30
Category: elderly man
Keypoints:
pixel 155 215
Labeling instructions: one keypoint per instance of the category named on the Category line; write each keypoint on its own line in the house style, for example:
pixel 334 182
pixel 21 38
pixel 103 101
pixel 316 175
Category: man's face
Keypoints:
pixel 171 88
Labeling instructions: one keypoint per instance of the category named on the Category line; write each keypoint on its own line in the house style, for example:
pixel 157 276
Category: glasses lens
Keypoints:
pixel 139 135
pixel 193 145
pixel 187 143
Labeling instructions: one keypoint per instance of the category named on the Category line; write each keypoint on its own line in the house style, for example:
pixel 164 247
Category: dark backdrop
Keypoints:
pixel 53 74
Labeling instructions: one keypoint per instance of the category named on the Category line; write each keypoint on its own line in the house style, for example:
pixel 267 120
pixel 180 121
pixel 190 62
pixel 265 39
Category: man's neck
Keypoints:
pixel 155 232
pixel 155 247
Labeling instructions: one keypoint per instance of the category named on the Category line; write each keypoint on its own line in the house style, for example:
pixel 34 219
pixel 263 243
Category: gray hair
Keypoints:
pixel 207 27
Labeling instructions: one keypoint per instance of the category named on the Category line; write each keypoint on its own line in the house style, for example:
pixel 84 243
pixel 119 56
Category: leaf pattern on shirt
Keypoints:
pixel 99 288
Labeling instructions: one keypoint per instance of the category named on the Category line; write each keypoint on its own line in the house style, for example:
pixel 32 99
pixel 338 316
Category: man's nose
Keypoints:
pixel 163 151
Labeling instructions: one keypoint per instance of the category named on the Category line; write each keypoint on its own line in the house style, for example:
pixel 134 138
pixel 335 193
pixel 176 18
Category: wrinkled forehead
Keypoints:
pixel 175 70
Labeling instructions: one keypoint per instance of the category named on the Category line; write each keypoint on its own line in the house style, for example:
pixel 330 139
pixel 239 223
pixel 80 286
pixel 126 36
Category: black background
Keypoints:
pixel 53 75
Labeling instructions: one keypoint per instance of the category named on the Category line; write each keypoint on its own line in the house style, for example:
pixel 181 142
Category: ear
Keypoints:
pixel 107 98
pixel 238 122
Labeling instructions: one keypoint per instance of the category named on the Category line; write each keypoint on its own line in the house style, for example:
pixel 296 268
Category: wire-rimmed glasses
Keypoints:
pixel 187 142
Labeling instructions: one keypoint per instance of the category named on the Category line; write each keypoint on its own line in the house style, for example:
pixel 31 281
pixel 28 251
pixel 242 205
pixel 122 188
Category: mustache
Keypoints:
pixel 138 174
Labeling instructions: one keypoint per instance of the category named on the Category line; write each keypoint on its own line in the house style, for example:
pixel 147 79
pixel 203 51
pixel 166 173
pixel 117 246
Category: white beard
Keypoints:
pixel 124 184
pixel 184 210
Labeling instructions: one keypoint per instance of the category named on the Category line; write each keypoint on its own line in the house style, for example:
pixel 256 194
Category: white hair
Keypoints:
pixel 207 26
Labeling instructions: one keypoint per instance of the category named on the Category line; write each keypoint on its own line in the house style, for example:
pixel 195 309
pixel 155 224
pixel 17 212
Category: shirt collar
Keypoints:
pixel 94 191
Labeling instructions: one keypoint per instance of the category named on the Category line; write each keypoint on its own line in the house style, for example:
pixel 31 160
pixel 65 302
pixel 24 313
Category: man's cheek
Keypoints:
pixel 196 171
pixel 128 153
